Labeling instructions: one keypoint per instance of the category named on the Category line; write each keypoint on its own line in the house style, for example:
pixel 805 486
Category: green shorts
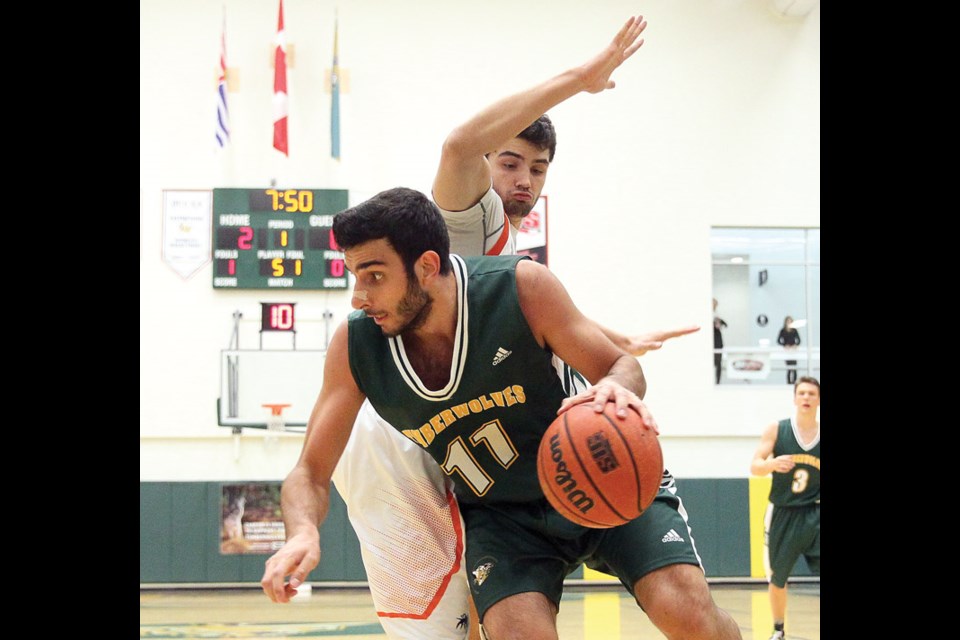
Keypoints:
pixel 517 548
pixel 791 532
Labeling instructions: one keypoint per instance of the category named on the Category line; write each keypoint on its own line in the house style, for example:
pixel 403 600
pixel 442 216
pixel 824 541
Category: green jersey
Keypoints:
pixel 801 486
pixel 484 425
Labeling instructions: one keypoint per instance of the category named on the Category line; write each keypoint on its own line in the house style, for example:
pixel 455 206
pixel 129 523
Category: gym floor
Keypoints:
pixel 586 613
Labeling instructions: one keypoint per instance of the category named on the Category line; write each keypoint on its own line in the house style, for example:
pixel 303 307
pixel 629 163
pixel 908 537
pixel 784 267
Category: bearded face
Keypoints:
pixel 519 171
pixel 412 310
pixel 517 208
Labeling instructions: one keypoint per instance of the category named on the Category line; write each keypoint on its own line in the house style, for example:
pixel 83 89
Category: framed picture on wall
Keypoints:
pixel 532 237
pixel 250 518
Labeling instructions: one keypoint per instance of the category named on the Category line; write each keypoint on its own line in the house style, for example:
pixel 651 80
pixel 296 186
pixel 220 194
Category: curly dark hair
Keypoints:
pixel 406 218
pixel 542 135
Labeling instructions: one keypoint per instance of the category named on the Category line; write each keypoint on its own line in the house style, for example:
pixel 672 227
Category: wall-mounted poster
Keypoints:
pixel 186 230
pixel 250 519
pixel 532 237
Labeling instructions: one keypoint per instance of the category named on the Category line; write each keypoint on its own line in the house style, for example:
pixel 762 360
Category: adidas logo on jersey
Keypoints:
pixel 672 536
pixel 501 356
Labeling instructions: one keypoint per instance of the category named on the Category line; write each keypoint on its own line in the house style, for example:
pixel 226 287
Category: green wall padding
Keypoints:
pixel 180 534
pixel 180 539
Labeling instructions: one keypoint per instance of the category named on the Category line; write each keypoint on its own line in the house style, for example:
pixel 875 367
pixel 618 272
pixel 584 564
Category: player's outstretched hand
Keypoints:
pixel 596 73
pixel 653 340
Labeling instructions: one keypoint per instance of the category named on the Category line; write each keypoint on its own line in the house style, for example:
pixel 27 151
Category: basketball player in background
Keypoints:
pixel 415 350
pixel 790 450
pixel 399 493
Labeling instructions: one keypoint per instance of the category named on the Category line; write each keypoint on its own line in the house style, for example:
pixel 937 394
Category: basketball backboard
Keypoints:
pixel 254 381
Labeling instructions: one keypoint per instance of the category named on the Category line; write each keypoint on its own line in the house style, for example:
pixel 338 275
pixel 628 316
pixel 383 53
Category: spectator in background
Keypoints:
pixel 789 339
pixel 719 324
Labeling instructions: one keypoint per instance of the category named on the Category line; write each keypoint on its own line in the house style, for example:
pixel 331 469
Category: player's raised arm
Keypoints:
pixel 464 176
pixel 305 496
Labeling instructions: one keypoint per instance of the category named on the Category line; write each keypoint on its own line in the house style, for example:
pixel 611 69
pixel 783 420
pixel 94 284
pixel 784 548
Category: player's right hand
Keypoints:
pixel 297 558
pixel 783 464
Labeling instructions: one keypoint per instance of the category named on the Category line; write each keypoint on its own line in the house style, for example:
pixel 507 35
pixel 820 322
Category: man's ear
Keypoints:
pixel 428 266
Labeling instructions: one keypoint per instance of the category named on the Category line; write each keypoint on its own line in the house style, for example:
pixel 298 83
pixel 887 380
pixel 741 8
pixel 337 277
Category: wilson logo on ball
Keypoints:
pixel 602 452
pixel 599 469
pixel 577 498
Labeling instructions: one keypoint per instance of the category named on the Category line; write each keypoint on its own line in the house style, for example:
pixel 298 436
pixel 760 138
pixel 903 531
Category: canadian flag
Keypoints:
pixel 280 90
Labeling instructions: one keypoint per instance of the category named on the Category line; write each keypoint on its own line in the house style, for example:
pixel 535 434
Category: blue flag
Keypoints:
pixel 222 130
pixel 335 98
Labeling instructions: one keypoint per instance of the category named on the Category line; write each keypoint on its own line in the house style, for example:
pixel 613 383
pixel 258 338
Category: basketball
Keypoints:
pixel 599 470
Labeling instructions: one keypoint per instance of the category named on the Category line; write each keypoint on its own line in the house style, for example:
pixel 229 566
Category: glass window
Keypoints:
pixel 766 292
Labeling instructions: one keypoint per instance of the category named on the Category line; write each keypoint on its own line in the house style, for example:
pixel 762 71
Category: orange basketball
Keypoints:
pixel 599 470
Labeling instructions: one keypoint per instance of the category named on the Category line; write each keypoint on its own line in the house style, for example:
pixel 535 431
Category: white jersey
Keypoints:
pixel 402 508
pixel 401 505
pixel 483 229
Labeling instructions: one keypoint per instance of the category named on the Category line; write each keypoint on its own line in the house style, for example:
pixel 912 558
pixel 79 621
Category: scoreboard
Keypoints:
pixel 277 239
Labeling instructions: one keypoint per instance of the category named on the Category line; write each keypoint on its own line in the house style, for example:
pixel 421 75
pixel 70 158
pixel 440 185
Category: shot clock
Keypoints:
pixel 277 316
pixel 277 239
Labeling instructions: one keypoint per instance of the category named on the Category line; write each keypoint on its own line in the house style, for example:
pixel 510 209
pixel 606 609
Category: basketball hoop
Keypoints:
pixel 275 421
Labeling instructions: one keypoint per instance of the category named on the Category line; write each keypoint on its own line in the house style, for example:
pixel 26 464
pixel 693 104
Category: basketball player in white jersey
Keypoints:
pixel 399 502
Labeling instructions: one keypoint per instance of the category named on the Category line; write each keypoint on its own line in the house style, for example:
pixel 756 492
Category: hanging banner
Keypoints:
pixel 186 230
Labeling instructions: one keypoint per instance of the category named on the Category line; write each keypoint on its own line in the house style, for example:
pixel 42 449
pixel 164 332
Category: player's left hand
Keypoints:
pixel 641 344
pixel 296 558
pixel 595 74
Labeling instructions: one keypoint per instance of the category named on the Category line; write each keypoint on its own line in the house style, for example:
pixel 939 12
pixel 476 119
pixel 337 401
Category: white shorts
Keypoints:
pixel 405 515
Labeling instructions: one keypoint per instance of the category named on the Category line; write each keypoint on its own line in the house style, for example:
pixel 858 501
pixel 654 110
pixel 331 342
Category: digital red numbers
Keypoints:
pixel 277 316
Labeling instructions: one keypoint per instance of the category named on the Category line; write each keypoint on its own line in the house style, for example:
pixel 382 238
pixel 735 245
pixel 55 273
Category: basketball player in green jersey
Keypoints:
pixel 476 394
pixel 790 450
